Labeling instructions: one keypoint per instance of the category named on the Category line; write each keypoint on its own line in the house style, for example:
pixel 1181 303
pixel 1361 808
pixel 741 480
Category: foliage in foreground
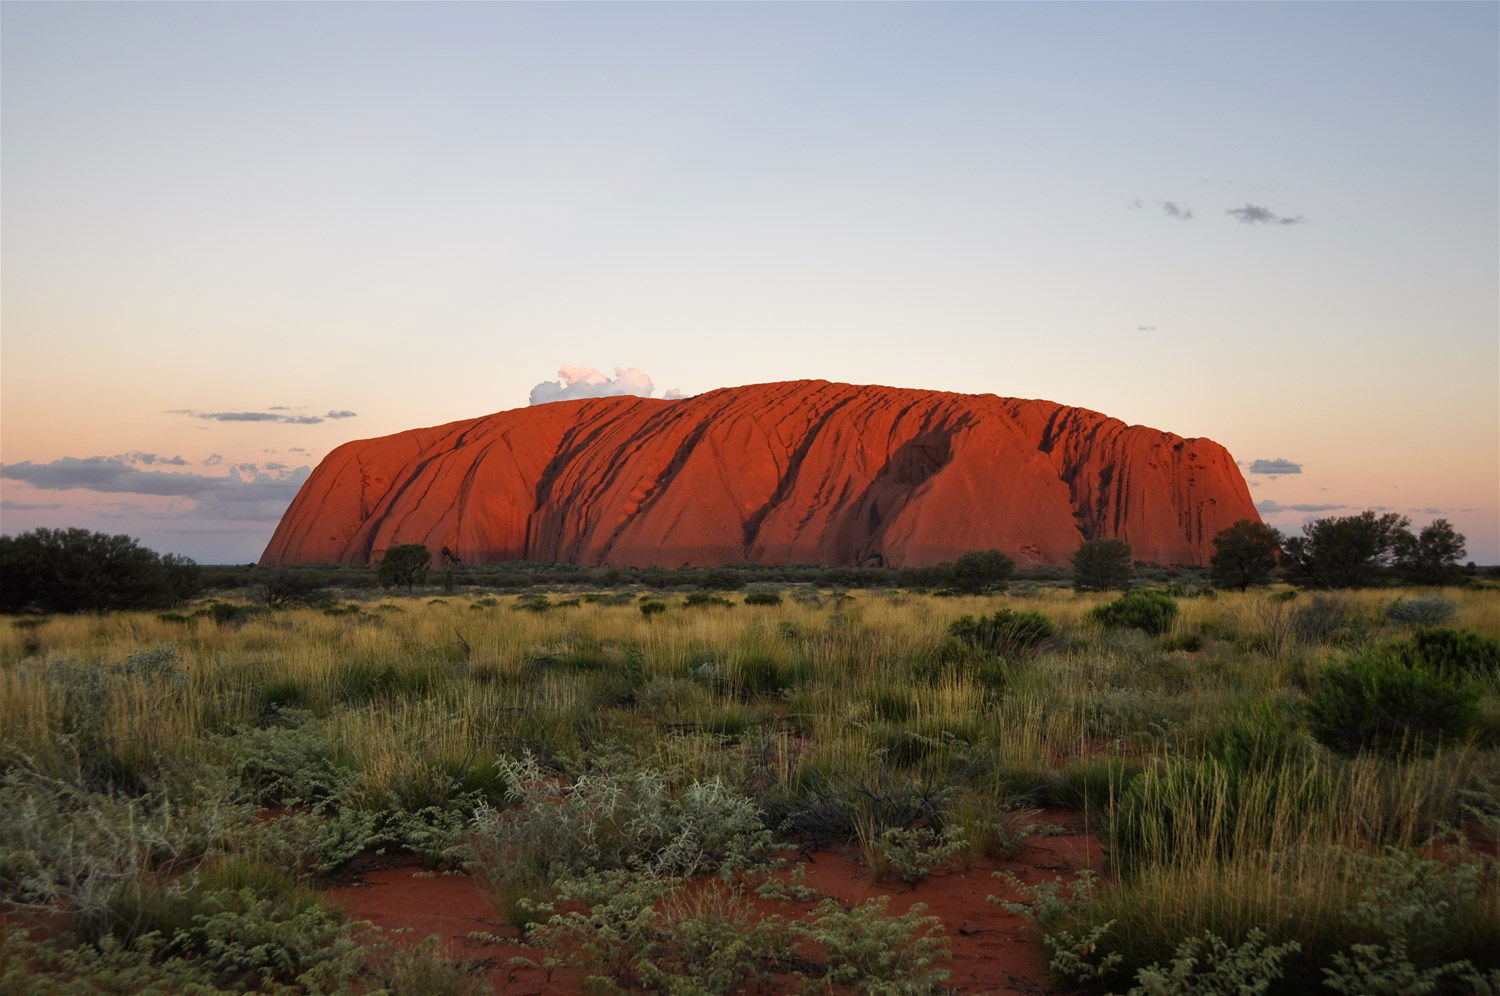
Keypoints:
pixel 672 757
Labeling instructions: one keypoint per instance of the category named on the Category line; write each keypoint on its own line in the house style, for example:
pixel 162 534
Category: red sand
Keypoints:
pixel 803 472
pixel 993 950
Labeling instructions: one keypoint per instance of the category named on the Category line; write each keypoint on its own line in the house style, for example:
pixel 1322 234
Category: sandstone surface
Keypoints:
pixel 802 472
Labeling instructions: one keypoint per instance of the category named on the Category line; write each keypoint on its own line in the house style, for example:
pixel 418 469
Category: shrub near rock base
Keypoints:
pixel 1142 608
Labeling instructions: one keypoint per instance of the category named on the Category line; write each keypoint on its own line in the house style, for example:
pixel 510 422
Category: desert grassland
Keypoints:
pixel 833 716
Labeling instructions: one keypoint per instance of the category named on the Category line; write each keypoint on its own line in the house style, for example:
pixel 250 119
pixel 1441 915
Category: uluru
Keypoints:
pixel 802 472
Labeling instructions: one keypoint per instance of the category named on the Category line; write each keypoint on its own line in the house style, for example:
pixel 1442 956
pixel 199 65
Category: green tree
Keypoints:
pixel 979 571
pixel 1245 554
pixel 1349 551
pixel 75 570
pixel 1432 556
pixel 1102 564
pixel 405 563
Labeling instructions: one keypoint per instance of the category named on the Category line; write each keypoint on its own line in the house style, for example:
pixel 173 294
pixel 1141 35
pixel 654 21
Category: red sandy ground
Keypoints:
pixel 993 950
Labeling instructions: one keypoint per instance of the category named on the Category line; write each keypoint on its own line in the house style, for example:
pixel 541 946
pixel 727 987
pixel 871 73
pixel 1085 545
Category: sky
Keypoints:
pixel 235 236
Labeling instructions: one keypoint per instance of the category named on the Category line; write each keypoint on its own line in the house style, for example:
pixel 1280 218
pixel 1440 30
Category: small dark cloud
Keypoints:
pixel 298 449
pixel 30 506
pixel 1254 214
pixel 1269 507
pixel 213 459
pixel 279 414
pixel 248 417
pixel 1136 204
pixel 137 457
pixel 1145 328
pixel 1276 466
pixel 1174 210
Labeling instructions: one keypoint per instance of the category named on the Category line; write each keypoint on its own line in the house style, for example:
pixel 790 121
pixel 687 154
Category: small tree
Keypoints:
pixel 1101 564
pixel 1347 551
pixel 285 586
pixel 979 571
pixel 1245 554
pixel 1432 556
pixel 405 563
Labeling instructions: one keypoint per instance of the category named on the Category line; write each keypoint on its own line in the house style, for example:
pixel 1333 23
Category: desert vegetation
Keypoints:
pixel 1294 791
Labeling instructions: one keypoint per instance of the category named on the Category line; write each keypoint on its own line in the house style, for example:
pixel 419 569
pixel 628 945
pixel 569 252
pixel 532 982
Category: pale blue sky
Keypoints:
pixel 418 212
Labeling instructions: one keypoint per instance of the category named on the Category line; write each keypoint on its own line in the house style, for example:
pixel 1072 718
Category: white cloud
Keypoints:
pixel 586 382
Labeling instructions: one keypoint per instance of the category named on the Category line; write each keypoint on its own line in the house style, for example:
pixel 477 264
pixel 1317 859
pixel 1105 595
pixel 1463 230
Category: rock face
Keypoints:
pixel 804 472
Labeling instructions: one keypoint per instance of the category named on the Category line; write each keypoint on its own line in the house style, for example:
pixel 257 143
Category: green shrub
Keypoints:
pixel 911 854
pixel 1141 608
pixel 616 814
pixel 290 764
pixel 653 607
pixel 528 603
pixel 1005 632
pixel 68 847
pixel 874 952
pixel 1378 702
pixel 645 932
pixel 1455 652
pixel 228 613
pixel 699 599
pixel 1206 966
pixel 722 579
pixel 762 597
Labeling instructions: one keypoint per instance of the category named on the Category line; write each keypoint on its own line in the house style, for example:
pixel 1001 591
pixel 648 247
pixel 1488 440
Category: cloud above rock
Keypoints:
pixel 575 382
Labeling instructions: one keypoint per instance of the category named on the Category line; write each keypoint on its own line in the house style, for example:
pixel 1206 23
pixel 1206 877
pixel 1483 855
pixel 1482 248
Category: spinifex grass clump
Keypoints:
pixel 1004 632
pixel 1430 611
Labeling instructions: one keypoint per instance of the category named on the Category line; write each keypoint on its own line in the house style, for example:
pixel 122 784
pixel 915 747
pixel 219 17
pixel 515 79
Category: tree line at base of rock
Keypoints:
pixel 74 570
